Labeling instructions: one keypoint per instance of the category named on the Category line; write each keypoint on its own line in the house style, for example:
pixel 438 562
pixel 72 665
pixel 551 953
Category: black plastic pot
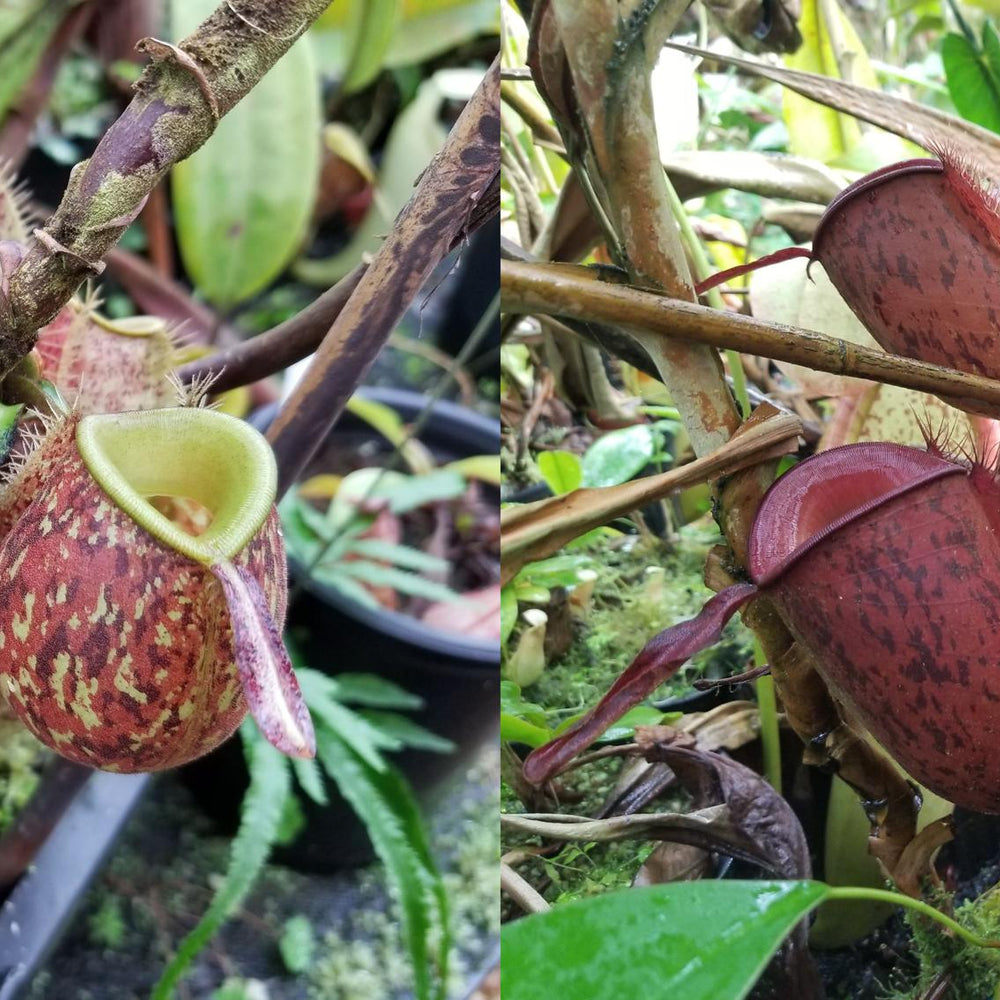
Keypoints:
pixel 457 676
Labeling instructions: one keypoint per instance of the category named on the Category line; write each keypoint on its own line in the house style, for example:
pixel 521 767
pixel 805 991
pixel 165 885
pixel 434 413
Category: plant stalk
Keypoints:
pixel 574 292
pixel 457 179
pixel 178 101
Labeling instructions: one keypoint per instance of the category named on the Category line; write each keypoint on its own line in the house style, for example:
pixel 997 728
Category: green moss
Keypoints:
pixel 366 959
pixel 106 923
pixel 21 760
pixel 627 612
pixel 972 971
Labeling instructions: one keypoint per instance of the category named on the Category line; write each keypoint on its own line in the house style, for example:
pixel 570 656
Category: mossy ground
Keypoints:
pixel 161 878
pixel 627 611
pixel 21 764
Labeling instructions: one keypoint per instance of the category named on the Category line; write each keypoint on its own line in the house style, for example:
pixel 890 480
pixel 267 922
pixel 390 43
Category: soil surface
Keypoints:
pixel 160 880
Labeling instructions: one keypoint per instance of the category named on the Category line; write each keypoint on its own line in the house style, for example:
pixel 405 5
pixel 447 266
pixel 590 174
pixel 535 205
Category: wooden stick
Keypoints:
pixel 568 290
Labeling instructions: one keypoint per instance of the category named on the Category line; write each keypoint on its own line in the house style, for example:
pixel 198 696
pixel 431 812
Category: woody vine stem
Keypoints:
pixel 178 102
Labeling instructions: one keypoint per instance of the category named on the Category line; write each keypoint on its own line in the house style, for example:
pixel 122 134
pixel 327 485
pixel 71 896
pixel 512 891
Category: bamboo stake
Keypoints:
pixel 570 291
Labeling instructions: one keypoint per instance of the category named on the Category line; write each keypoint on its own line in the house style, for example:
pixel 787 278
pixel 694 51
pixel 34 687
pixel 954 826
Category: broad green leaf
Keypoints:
pixel 512 701
pixel 14 14
pixel 529 592
pixel 407 732
pixel 380 417
pixel 483 467
pixel 417 134
pixel 517 730
pixel 991 52
pixel 619 456
pixel 390 425
pixel 706 940
pixel 820 132
pixel 508 613
pixel 556 571
pixel 561 470
pixel 243 201
pixel 430 27
pixel 384 803
pixel 260 818
pixel 425 29
pixel 641 715
pixel 970 84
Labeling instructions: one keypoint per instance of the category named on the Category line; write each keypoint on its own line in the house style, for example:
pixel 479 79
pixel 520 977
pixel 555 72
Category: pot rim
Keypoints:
pixel 479 652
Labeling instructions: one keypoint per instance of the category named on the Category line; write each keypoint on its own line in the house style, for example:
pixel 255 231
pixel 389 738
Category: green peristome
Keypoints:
pixel 215 459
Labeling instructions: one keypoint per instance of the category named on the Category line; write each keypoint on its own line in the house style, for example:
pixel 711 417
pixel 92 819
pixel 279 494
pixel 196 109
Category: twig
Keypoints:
pixel 540 126
pixel 521 891
pixel 533 531
pixel 459 177
pixel 567 290
pixel 299 336
pixel 279 347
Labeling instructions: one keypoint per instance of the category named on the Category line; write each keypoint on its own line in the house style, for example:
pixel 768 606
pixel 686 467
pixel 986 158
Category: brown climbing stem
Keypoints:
pixel 246 361
pixel 460 176
pixel 177 103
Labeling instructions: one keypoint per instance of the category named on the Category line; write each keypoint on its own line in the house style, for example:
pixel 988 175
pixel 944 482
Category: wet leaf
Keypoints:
pixel 618 456
pixel 711 941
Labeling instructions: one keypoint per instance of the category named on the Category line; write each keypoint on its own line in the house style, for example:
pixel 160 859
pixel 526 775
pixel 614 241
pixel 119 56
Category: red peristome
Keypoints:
pixel 99 370
pixel 913 251
pixel 819 496
pixel 117 651
pixel 873 180
pixel 658 660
